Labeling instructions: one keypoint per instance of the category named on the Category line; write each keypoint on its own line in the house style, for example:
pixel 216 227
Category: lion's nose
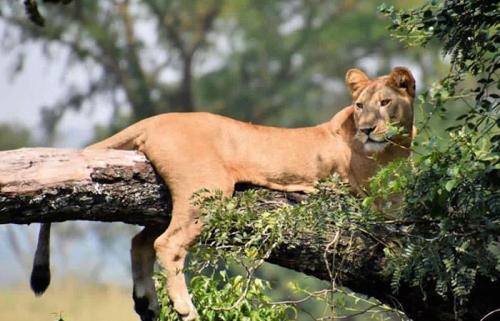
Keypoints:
pixel 367 130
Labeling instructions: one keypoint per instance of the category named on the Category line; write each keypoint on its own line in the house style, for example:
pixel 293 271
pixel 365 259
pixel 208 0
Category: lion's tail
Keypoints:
pixel 40 274
pixel 124 139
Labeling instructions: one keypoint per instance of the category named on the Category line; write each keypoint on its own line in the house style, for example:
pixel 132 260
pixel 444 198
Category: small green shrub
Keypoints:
pixel 223 298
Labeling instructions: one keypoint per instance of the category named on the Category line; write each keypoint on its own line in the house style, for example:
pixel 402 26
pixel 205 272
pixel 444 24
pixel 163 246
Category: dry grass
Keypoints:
pixel 74 300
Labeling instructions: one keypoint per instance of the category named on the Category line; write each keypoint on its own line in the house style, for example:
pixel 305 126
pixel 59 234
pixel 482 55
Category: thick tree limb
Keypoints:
pixel 52 185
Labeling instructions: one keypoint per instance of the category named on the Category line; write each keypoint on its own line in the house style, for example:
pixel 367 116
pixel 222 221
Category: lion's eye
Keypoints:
pixel 359 105
pixel 385 102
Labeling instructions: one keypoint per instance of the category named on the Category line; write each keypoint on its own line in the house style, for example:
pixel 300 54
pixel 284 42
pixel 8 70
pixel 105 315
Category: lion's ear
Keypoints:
pixel 355 79
pixel 401 77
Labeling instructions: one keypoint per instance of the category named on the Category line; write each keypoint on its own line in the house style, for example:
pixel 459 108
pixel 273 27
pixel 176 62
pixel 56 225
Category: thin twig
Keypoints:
pixel 489 314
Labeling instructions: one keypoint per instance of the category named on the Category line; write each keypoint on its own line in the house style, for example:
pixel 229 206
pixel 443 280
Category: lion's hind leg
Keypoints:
pixel 143 258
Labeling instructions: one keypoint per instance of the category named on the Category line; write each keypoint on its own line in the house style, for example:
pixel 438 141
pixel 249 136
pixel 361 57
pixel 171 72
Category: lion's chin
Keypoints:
pixel 373 147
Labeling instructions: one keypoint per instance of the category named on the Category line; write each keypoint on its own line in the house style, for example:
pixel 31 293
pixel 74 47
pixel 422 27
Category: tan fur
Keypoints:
pixel 192 151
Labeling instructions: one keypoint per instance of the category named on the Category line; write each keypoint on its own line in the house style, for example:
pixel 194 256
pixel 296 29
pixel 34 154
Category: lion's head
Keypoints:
pixel 382 103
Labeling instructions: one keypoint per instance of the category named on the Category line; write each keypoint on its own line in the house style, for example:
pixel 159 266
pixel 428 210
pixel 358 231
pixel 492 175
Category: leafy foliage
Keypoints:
pixel 452 219
pixel 452 194
pixel 225 298
pixel 469 34
pixel 247 228
pixel 244 230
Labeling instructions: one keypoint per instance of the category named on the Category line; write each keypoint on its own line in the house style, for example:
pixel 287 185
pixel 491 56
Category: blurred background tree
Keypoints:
pixel 274 62
pixel 14 136
pixel 279 62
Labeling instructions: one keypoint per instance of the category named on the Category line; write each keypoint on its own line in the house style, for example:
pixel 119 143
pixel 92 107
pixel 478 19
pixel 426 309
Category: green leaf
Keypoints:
pixel 450 185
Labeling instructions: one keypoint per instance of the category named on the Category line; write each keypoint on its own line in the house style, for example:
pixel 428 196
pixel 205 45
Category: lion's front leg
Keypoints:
pixel 171 249
pixel 184 175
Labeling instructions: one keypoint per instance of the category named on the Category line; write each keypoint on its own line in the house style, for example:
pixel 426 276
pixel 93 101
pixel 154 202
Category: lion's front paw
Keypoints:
pixel 192 316
pixel 186 309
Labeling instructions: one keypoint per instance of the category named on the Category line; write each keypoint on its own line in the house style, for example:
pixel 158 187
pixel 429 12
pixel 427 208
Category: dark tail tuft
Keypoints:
pixel 40 278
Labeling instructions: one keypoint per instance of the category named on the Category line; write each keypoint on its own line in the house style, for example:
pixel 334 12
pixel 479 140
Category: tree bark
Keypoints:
pixel 53 185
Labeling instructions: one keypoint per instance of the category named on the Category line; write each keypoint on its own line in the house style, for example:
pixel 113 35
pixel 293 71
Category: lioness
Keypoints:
pixel 192 151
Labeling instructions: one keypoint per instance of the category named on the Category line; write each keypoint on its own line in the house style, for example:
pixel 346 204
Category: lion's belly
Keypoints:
pixel 281 176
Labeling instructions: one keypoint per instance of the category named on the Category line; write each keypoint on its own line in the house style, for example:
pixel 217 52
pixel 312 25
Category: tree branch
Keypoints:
pixel 52 185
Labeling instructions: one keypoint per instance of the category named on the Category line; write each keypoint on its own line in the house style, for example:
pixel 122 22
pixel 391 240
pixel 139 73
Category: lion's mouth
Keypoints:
pixel 373 141
pixel 375 146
